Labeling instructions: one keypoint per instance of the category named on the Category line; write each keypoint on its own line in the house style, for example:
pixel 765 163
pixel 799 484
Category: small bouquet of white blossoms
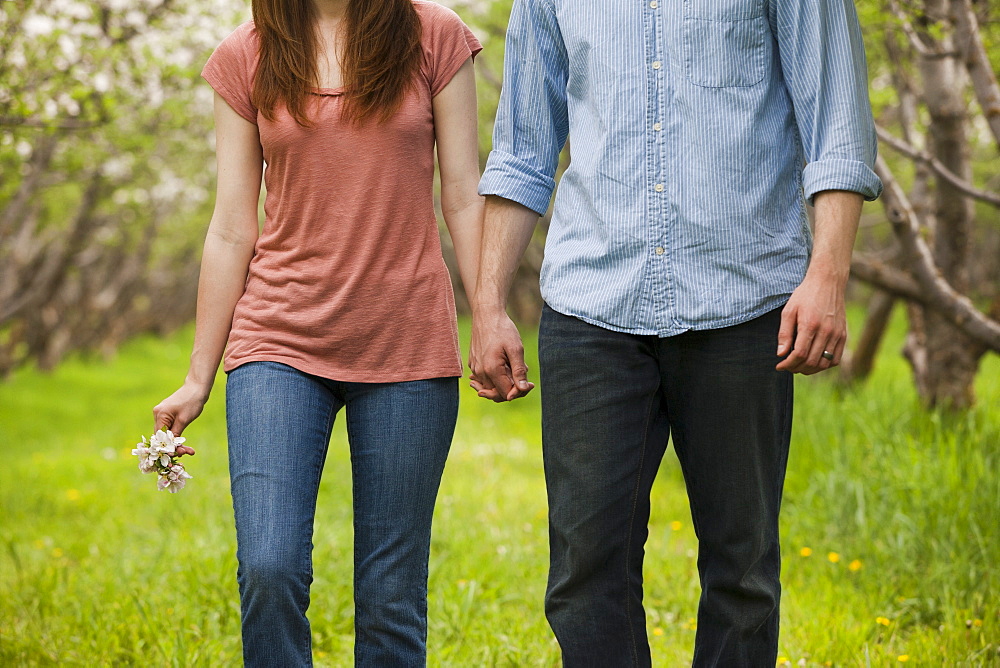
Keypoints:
pixel 160 455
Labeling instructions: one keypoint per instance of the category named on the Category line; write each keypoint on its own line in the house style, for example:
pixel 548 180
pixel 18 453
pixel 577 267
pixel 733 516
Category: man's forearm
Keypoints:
pixel 837 216
pixel 507 230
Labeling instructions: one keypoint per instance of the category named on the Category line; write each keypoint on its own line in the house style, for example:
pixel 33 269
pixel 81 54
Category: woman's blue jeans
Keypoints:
pixel 279 422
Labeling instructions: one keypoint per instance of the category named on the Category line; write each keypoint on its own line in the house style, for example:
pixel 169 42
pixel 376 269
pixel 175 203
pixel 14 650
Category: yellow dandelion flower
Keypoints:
pixel 884 621
pixel 806 552
pixel 73 494
pixel 675 525
pixel 782 661
pixel 977 623
pixel 320 654
pixel 657 631
pixel 855 565
pixel 903 658
pixel 692 624
pixel 833 557
pixel 39 544
pixel 57 552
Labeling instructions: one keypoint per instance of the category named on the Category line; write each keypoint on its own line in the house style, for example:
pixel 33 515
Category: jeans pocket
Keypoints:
pixel 725 44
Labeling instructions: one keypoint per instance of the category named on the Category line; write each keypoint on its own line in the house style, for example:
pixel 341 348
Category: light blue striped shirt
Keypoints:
pixel 698 129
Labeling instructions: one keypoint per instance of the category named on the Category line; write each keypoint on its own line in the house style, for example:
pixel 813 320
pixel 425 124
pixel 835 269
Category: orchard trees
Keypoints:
pixel 938 110
pixel 105 177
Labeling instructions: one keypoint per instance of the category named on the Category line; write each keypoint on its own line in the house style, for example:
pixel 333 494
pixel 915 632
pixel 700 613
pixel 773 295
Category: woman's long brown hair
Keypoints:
pixel 380 57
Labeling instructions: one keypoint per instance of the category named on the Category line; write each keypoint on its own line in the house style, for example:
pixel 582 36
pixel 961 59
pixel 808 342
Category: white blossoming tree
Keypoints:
pixel 105 168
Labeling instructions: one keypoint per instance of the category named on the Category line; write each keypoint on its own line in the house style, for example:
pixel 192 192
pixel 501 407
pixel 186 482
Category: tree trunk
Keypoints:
pixel 862 359
pixel 945 360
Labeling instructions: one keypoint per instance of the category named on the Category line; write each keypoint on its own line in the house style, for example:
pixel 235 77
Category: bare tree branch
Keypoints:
pixel 878 273
pixel 859 362
pixel 44 283
pixel 938 293
pixel 911 33
pixel 984 81
pixel 939 168
pixel 63 124
pixel 15 209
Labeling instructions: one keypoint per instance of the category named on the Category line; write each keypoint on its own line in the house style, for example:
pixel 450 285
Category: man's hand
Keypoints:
pixel 813 322
pixel 496 358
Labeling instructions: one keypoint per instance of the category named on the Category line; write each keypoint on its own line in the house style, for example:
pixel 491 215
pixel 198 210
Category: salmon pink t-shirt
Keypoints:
pixel 347 281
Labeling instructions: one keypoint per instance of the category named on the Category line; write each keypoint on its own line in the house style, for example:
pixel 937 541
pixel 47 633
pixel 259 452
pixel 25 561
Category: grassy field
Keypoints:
pixel 891 537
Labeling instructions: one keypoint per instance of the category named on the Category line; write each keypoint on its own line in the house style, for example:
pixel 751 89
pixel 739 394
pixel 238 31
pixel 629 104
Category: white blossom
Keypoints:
pixel 38 26
pixel 159 455
pixel 147 457
pixel 173 479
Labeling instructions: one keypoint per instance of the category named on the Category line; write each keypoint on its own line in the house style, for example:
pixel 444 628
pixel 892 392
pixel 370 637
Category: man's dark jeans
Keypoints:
pixel 609 402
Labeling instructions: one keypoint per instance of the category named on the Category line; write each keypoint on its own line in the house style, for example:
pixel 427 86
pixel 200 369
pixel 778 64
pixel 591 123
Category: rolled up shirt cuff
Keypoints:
pixel 510 177
pixel 840 174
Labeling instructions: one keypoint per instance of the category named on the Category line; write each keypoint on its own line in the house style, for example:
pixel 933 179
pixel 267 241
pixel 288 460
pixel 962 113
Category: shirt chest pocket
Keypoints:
pixel 725 42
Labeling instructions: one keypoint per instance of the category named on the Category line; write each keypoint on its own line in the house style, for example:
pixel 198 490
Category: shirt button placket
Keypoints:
pixel 658 221
pixel 656 208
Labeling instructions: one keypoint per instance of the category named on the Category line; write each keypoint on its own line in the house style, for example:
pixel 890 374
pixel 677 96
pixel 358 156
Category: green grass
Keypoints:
pixel 98 568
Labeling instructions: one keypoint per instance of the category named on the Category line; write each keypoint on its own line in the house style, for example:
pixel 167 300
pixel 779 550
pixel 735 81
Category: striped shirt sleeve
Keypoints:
pixel 823 62
pixel 532 120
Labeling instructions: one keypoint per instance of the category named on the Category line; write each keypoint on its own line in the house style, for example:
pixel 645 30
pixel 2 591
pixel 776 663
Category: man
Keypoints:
pixel 680 292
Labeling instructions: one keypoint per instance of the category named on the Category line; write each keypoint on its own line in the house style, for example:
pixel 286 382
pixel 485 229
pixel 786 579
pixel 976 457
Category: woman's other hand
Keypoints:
pixel 179 410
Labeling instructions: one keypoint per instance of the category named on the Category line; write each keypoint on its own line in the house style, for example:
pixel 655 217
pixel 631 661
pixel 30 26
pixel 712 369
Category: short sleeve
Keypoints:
pixel 448 43
pixel 230 71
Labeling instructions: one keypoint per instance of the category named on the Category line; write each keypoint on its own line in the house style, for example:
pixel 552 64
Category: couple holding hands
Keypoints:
pixel 683 288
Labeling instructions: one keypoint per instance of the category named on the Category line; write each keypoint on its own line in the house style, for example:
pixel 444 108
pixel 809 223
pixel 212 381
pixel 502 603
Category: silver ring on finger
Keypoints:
pixel 827 355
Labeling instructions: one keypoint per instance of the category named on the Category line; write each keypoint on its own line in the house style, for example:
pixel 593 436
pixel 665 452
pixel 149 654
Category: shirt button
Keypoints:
pixel 658 187
pixel 657 127
pixel 659 250
pixel 657 64
pixel 653 4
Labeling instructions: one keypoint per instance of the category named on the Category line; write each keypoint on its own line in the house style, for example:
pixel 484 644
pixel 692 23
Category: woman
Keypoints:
pixel 343 300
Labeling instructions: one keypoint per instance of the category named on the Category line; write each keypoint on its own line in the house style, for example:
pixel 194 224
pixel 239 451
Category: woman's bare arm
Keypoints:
pixel 229 247
pixel 457 133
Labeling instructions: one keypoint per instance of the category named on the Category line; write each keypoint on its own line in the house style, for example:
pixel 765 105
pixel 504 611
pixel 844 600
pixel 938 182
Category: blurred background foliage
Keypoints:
pixel 107 170
pixel 107 176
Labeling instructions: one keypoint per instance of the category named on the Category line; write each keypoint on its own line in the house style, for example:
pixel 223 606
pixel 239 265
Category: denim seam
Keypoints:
pixel 331 413
pixel 631 528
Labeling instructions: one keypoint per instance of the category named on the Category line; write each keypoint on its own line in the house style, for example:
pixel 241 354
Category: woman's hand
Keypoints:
pixel 179 410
